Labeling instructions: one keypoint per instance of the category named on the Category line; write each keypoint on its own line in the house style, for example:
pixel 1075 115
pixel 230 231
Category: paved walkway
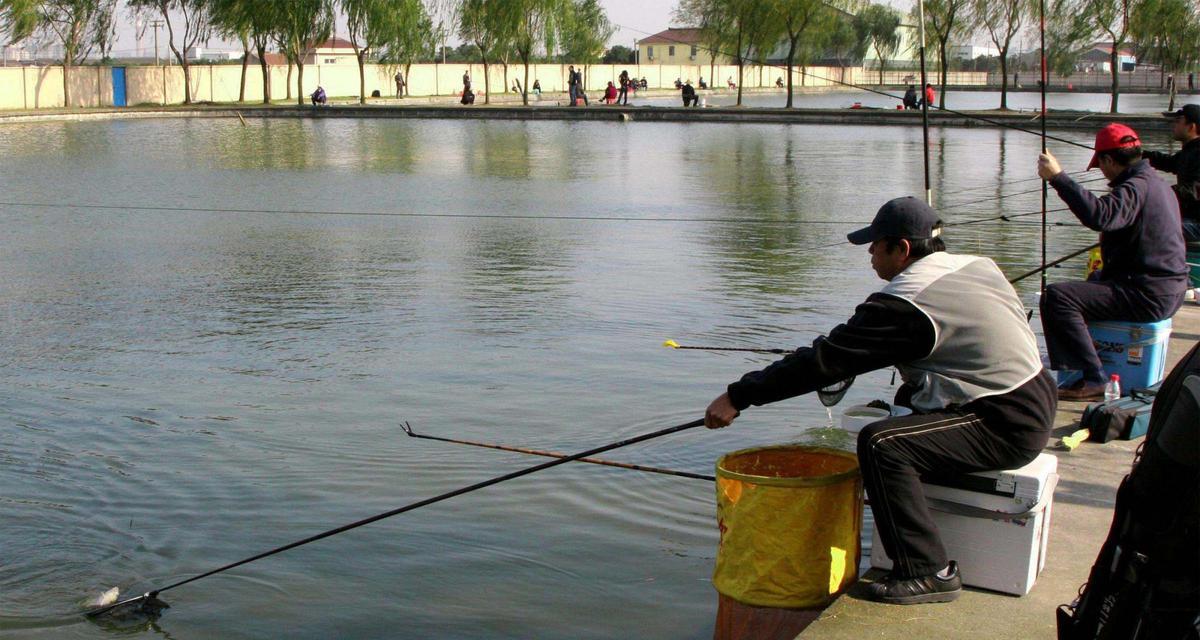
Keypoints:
pixel 1081 517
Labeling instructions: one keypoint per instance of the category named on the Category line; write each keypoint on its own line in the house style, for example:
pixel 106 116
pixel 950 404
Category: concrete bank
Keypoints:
pixel 1083 510
pixel 1057 120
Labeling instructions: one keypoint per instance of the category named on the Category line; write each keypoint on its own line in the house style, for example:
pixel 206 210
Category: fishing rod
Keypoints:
pixel 1044 267
pixel 554 454
pixel 149 603
pixel 671 344
pixel 1045 184
pixel 924 102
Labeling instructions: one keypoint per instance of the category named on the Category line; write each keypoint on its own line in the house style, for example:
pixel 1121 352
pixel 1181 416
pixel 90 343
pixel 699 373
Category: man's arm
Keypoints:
pixel 1168 162
pixel 884 331
pixel 1115 210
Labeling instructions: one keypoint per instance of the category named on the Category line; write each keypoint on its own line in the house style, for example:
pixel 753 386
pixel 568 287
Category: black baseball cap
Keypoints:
pixel 908 217
pixel 1189 112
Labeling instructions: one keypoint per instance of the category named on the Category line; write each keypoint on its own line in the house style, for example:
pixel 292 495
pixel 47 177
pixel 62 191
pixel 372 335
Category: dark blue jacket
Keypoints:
pixel 1141 239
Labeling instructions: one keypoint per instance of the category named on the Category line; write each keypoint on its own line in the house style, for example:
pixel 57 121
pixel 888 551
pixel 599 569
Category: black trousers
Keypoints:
pixel 1067 307
pixel 893 454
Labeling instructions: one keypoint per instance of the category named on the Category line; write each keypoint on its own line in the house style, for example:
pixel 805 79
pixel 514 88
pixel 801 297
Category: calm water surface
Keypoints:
pixel 968 100
pixel 183 388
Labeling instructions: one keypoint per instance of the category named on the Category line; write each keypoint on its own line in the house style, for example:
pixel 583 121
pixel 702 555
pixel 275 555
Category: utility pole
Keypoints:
pixel 156 25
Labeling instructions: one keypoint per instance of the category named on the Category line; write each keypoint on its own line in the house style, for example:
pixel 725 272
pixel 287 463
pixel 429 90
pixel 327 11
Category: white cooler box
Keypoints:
pixel 995 524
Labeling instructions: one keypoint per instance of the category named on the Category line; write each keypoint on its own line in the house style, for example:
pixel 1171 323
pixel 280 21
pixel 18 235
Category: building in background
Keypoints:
pixel 677 45
pixel 198 54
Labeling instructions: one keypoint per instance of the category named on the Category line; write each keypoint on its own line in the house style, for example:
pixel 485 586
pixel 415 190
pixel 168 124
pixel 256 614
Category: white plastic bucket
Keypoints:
pixel 856 417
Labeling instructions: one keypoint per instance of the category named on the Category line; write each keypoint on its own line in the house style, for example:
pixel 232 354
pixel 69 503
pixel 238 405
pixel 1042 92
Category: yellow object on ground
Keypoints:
pixel 790 518
pixel 671 343
pixel 1070 442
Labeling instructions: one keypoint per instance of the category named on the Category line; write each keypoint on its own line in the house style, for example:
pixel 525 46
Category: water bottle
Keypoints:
pixel 1112 390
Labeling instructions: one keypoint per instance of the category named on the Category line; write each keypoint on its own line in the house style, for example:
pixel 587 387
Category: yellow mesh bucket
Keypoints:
pixel 790 518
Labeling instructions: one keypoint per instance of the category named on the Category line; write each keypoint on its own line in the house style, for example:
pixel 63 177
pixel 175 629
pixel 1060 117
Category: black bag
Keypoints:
pixel 1144 584
pixel 1124 418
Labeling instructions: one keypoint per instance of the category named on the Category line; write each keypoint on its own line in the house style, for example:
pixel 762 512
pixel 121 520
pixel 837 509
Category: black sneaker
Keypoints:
pixel 933 588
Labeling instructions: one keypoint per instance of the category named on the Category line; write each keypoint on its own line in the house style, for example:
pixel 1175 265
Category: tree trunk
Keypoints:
pixel 487 95
pixel 942 68
pixel 525 87
pixel 1116 79
pixel 299 82
pixel 1004 80
pixel 245 63
pixel 362 75
pixel 66 84
pixel 288 84
pixel 187 80
pixel 266 72
pixel 741 62
pixel 407 75
pixel 790 58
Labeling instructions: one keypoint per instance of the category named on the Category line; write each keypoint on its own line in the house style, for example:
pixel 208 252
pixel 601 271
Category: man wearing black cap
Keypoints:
pixel 955 329
pixel 1185 165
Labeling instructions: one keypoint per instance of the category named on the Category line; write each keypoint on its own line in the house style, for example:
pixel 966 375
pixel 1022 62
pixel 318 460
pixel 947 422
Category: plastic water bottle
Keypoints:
pixel 1112 390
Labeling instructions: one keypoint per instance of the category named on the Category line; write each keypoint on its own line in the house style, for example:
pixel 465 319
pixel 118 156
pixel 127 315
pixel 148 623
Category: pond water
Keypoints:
pixel 957 100
pixel 212 332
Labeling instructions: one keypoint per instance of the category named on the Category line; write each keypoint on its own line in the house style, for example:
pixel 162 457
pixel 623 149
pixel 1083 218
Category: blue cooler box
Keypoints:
pixel 1136 351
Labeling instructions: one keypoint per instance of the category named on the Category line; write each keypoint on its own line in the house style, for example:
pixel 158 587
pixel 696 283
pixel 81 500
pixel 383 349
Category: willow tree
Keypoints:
pixel 1168 34
pixel 255 19
pixel 233 25
pixel 944 19
pixel 797 17
pixel 745 28
pixel 486 24
pixel 373 24
pixel 77 25
pixel 584 31
pixel 1111 19
pixel 300 27
pixel 879 28
pixel 190 20
pixel 534 24
pixel 1001 20
pixel 409 34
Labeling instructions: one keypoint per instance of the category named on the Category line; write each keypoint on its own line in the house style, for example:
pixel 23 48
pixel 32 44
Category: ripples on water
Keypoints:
pixel 185 388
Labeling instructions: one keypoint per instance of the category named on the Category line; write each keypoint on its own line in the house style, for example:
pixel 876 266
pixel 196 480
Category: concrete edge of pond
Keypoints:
pixel 1058 120
pixel 1082 513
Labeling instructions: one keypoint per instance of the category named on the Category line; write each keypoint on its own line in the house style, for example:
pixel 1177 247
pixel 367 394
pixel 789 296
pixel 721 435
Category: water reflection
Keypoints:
pixel 515 279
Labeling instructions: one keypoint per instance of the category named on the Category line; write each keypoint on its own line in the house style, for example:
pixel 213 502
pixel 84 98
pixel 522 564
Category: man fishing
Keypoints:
pixel 957 332
pixel 1141 242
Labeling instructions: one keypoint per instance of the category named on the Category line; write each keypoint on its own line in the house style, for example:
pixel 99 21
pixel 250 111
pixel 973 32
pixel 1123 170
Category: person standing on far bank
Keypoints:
pixel 956 330
pixel 399 85
pixel 1141 242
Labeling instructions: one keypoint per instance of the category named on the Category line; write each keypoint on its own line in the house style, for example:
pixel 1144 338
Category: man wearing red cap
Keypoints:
pixel 1141 242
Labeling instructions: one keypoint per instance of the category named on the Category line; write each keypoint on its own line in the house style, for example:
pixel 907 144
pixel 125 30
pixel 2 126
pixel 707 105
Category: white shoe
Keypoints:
pixel 1190 295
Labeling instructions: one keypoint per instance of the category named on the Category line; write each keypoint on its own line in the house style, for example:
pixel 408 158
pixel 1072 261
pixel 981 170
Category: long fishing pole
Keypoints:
pixel 152 596
pixel 1045 185
pixel 554 454
pixel 675 345
pixel 1042 269
pixel 924 101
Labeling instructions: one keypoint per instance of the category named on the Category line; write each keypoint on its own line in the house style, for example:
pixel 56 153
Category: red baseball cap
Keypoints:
pixel 1114 136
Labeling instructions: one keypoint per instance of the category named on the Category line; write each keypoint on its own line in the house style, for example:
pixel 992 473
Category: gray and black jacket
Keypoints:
pixel 956 331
